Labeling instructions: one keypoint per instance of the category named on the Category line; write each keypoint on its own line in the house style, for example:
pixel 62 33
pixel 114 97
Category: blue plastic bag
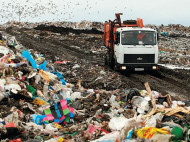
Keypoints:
pixel 37 118
pixel 60 76
pixel 29 58
pixel 43 66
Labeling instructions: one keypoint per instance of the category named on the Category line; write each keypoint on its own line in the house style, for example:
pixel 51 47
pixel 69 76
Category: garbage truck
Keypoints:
pixel 131 45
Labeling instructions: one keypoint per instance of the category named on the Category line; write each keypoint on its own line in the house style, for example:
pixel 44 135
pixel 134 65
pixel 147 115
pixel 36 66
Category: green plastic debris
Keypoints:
pixel 73 134
pixel 67 119
pixel 38 138
pixel 162 52
pixel 177 134
pixel 31 90
pixel 14 44
pixel 66 132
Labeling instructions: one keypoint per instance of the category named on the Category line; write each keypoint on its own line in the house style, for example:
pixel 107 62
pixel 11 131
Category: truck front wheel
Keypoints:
pixel 115 65
pixel 109 60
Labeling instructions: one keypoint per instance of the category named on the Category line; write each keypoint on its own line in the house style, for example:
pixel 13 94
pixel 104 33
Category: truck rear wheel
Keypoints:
pixel 108 60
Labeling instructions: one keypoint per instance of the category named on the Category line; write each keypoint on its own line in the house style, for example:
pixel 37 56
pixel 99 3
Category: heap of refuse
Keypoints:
pixel 174 45
pixel 37 104
pixel 174 30
pixel 175 51
pixel 83 25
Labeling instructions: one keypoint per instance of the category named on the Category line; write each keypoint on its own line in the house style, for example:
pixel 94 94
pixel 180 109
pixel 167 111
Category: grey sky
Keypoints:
pixel 151 11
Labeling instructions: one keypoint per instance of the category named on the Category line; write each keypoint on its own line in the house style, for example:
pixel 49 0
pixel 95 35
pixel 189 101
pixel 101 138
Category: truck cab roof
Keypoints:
pixel 134 29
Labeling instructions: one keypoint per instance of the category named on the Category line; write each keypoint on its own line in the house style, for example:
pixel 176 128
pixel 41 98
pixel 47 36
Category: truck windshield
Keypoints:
pixel 138 38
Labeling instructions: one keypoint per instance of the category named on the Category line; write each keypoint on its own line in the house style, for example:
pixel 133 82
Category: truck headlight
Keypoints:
pixel 154 67
pixel 123 67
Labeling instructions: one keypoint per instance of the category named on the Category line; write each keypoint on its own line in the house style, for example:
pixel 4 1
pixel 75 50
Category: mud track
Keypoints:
pixel 175 82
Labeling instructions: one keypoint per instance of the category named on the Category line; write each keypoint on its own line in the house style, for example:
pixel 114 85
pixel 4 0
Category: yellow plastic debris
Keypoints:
pixel 58 126
pixel 149 132
pixel 44 76
pixel 60 140
pixel 40 102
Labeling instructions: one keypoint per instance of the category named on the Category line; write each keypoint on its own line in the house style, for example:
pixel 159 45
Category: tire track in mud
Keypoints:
pixel 164 84
pixel 57 48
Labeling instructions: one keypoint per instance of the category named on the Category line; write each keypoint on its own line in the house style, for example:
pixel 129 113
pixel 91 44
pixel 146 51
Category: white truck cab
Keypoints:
pixel 136 49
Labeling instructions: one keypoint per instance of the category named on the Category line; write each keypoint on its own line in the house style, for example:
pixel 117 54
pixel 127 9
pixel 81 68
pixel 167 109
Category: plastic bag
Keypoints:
pixel 37 118
pixel 153 120
pixel 130 124
pixel 149 132
pixel 117 123
pixel 141 103
pixel 43 66
pixel 13 88
pixel 60 76
pixel 76 95
pixel 37 78
pixel 113 102
pixel 131 93
pixel 29 58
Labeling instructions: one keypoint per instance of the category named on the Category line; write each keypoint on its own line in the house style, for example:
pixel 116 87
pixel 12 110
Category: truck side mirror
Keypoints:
pixel 158 37
pixel 116 42
pixel 116 38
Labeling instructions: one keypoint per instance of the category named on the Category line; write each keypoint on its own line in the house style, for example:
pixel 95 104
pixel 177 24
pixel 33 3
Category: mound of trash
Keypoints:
pixel 37 104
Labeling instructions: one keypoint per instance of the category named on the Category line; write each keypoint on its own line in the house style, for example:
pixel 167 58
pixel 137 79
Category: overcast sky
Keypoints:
pixel 151 11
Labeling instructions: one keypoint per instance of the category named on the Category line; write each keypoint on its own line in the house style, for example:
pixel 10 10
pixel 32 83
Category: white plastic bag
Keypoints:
pixel 76 95
pixel 152 121
pixel 117 123
pixel 113 102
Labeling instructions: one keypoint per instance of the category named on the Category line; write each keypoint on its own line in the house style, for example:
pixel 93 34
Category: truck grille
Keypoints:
pixel 139 58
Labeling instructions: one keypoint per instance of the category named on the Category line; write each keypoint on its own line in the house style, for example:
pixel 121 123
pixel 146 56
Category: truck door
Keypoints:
pixel 117 49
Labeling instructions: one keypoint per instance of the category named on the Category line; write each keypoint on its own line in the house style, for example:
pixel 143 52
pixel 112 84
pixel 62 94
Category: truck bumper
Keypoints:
pixel 139 67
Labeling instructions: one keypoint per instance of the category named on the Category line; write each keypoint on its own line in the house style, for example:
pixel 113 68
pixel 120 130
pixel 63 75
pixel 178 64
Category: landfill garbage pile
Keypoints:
pixel 27 25
pixel 174 45
pixel 175 51
pixel 38 104
pixel 83 25
pixel 171 30
pixel 174 30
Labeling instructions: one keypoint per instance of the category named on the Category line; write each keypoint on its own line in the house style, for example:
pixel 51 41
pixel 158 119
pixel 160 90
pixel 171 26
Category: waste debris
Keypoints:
pixel 38 104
